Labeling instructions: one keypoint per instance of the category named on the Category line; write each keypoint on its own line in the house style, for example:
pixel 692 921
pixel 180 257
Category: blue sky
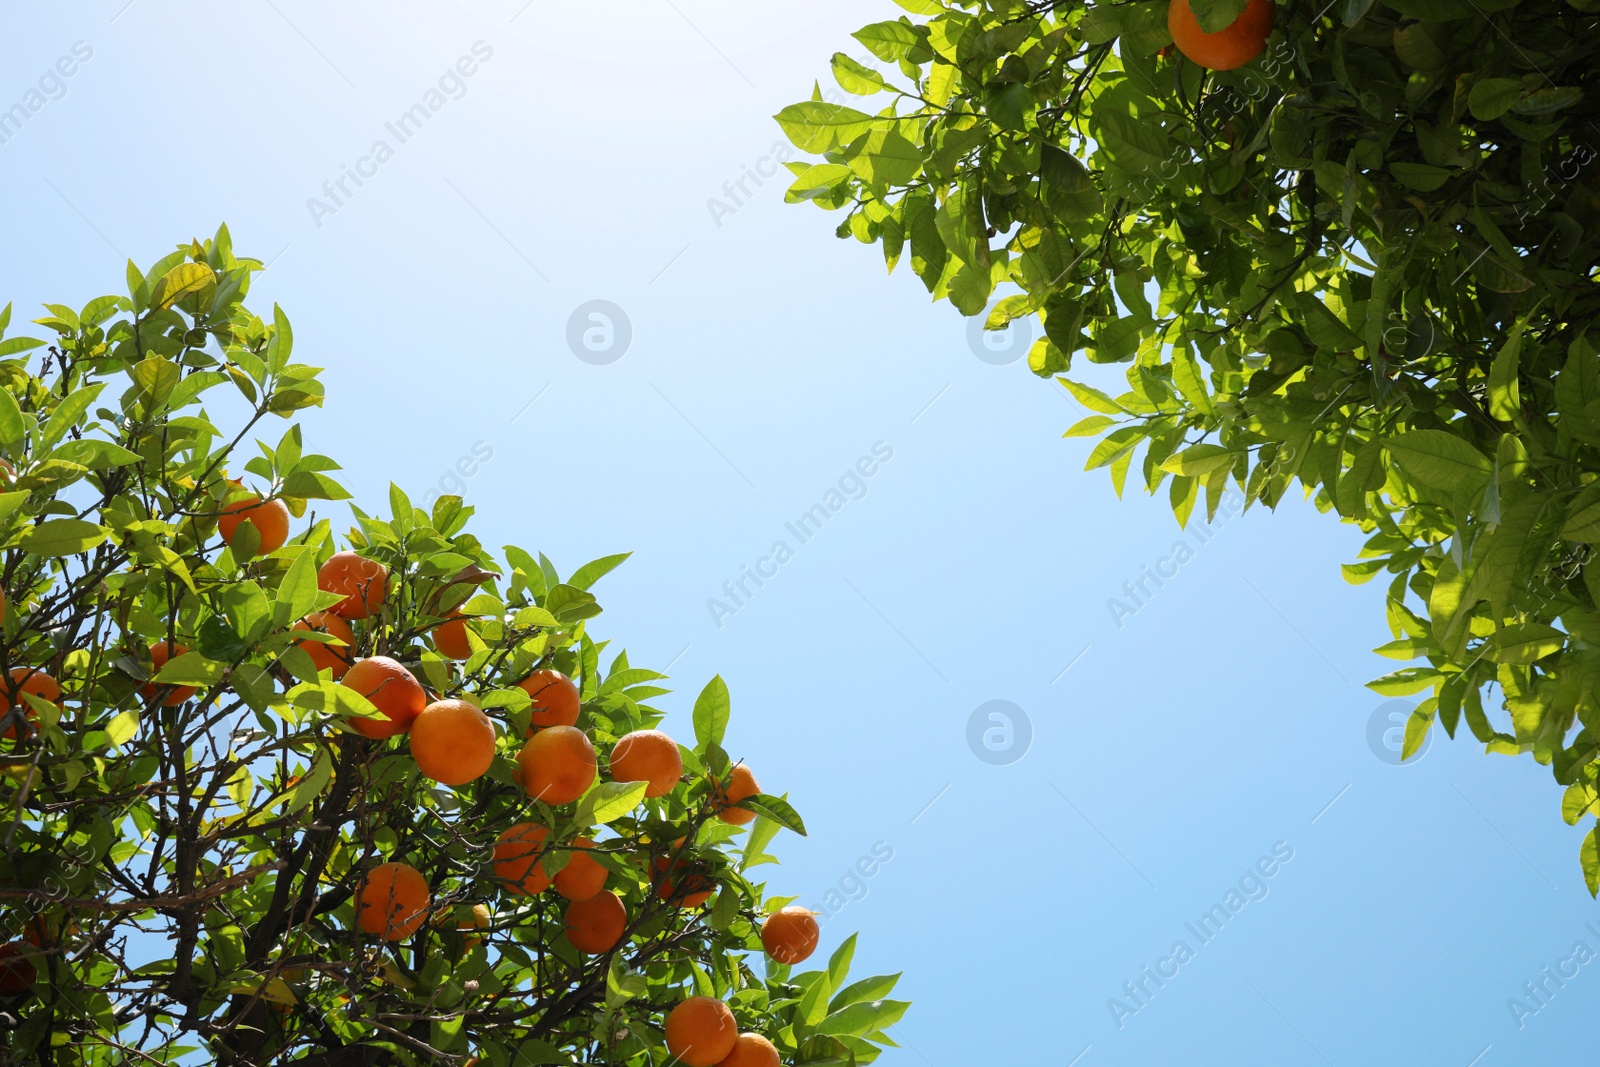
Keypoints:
pixel 1168 755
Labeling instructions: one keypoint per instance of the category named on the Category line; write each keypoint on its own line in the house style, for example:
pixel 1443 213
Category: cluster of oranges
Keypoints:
pixel 453 742
pixel 702 1032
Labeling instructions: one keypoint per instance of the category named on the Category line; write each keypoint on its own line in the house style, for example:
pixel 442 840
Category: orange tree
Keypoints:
pixel 1349 243
pixel 271 798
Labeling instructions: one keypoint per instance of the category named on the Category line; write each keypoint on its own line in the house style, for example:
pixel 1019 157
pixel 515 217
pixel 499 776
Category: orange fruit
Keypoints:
pixel 270 518
pixel 741 784
pixel 752 1050
pixel 450 639
pixel 678 881
pixel 32 680
pixel 582 877
pixel 17 972
pixel 392 689
pixel 452 742
pixel 555 699
pixel 363 582
pixel 558 765
pixel 392 901
pixel 595 925
pixel 516 858
pixel 790 934
pixel 647 756
pixel 701 1032
pixel 335 658
pixel 1232 46
pixel 160 652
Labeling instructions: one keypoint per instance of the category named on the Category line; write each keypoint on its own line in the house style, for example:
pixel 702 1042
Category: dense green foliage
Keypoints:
pixel 178 874
pixel 1364 261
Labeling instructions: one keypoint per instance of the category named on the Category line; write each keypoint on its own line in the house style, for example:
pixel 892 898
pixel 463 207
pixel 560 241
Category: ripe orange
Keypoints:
pixel 335 658
pixel 790 934
pixel 741 784
pixel 392 689
pixel 1228 48
pixel 516 858
pixel 678 881
pixel 701 1032
pixel 595 925
pixel 558 765
pixel 452 742
pixel 752 1050
pixel 582 877
pixel 270 518
pixel 160 652
pixel 450 638
pixel 555 699
pixel 32 680
pixel 392 901
pixel 647 756
pixel 363 582
pixel 17 972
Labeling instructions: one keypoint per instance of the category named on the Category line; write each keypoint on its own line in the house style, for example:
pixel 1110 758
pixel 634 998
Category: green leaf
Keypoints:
pixel 711 711
pixel 1405 682
pixel 94 453
pixel 62 537
pixel 858 1020
pixel 824 1050
pixel 813 1006
pixel 1526 642
pixel 777 809
pixel 122 727
pixel 1589 858
pixel 817 182
pixel 1505 399
pixel 331 698
pixel 10 502
pixel 1136 142
pixel 586 575
pixel 67 414
pixel 888 41
pixel 191 668
pixel 875 988
pixel 1439 459
pixel 314 485
pixel 1201 460
pixel 815 126
pixel 13 425
pixel 297 591
pixel 855 78
pixel 1417 727
pixel 1092 398
pixel 1490 98
pixel 313 782
pixel 179 282
pixel 608 802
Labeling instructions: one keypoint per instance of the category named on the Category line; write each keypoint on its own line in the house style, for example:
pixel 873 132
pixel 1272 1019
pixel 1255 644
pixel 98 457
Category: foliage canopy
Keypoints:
pixel 1364 261
pixel 183 841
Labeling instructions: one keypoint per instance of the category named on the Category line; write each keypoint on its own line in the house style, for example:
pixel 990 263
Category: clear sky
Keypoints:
pixel 1220 732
